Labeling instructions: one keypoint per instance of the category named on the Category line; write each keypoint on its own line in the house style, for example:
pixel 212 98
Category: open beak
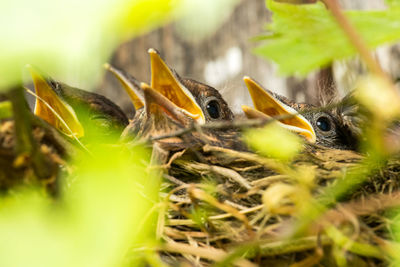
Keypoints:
pixel 130 84
pixel 166 83
pixel 66 121
pixel 267 106
pixel 157 105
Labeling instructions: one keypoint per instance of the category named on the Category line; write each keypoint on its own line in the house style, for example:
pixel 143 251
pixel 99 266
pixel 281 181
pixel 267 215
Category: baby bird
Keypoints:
pixel 204 102
pixel 327 128
pixel 197 102
pixel 79 113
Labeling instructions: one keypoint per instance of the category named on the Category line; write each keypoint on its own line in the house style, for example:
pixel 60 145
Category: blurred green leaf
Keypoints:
pixel 5 110
pixel 306 37
pixel 70 39
pixel 274 141
pixel 100 217
pixel 385 105
pixel 363 249
pixel 200 18
pixel 392 2
pixel 297 2
pixel 133 17
pixel 281 198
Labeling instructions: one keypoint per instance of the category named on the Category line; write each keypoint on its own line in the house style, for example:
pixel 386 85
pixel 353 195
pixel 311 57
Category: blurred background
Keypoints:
pixel 217 50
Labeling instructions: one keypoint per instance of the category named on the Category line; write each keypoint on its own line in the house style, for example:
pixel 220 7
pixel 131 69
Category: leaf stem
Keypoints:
pixel 354 37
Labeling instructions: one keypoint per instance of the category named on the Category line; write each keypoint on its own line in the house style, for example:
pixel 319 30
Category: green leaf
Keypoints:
pixel 200 18
pixel 306 37
pixel 5 110
pixel 393 3
pixel 274 141
pixel 71 39
pixel 105 209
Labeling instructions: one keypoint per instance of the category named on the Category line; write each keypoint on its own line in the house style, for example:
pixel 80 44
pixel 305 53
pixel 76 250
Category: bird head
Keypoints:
pixel 327 127
pixel 267 105
pixel 76 112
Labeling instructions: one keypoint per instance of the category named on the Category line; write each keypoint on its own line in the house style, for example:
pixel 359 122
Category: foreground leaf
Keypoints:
pixel 70 39
pixel 274 141
pixel 104 211
pixel 303 38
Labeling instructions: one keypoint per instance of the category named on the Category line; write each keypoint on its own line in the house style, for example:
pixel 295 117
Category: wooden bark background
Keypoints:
pixel 224 57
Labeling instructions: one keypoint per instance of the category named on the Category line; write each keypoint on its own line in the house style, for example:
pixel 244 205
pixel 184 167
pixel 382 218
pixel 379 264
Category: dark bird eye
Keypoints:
pixel 324 124
pixel 53 83
pixel 213 109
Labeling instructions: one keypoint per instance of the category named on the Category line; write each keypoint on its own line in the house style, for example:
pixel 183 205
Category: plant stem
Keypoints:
pixel 25 143
pixel 23 126
pixel 354 37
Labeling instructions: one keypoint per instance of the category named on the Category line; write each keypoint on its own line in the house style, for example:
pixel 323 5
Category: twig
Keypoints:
pixel 311 260
pixel 215 217
pixel 175 156
pixel 370 205
pixel 293 245
pixel 231 174
pixel 272 248
pixel 200 194
pixel 220 125
pixel 206 253
pixel 225 172
pixel 175 198
pixel 354 37
pixel 362 249
pixel 269 163
pixel 239 124
pixel 173 179
pixel 235 205
pixel 172 232
pixel 266 181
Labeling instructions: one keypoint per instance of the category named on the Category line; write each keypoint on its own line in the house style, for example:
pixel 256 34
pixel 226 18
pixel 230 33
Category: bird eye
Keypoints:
pixel 52 83
pixel 324 124
pixel 213 109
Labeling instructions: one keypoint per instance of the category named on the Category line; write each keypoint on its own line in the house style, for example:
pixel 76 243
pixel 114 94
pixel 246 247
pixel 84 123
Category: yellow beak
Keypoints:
pixel 167 84
pixel 156 104
pixel 131 86
pixel 66 121
pixel 267 106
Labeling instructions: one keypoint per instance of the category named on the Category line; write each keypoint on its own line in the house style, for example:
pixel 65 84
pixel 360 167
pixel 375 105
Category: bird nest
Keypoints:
pixel 227 207
pixel 38 166
pixel 240 208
